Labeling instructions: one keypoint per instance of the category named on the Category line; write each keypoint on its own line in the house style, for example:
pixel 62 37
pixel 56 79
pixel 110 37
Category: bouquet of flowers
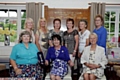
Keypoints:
pixel 7 32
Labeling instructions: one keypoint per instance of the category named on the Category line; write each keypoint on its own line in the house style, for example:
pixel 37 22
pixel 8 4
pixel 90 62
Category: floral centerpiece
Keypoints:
pixel 7 33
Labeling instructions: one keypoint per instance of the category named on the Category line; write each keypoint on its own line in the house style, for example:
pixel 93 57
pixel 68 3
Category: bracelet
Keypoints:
pixel 74 51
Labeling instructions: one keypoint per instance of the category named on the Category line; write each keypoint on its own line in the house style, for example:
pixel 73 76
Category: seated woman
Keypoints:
pixel 60 57
pixel 24 59
pixel 93 60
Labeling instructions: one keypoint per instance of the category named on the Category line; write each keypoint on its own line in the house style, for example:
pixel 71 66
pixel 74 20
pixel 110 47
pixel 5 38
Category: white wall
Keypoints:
pixel 65 3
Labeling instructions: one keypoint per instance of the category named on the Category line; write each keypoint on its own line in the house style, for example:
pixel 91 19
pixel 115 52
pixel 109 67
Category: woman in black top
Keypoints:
pixel 70 39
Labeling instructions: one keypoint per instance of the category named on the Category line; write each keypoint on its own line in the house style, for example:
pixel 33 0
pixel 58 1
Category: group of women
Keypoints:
pixel 60 48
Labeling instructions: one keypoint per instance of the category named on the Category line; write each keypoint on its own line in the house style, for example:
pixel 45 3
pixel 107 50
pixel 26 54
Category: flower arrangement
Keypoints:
pixel 7 32
pixel 110 44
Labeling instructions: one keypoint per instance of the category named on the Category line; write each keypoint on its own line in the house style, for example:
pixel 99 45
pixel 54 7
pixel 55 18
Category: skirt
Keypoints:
pixel 96 72
pixel 59 68
pixel 29 71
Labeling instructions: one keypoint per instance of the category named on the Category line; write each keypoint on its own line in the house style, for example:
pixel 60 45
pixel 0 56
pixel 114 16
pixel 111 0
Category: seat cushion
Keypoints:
pixel 67 77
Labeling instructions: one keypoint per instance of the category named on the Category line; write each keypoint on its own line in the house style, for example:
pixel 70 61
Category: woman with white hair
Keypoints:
pixel 93 60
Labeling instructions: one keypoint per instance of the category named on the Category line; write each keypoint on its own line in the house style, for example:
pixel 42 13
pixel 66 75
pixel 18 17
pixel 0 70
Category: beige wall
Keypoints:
pixel 65 3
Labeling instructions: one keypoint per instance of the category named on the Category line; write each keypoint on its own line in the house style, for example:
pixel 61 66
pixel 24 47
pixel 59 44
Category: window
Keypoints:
pixel 112 21
pixel 23 17
pixel 11 19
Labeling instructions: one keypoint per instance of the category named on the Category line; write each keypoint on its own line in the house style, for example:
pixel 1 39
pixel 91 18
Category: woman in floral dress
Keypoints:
pixel 93 60
pixel 60 57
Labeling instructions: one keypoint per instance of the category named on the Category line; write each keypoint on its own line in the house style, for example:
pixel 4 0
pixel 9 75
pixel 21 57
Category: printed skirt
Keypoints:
pixel 59 68
pixel 29 71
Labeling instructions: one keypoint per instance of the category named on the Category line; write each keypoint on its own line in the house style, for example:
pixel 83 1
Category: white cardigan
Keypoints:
pixel 100 57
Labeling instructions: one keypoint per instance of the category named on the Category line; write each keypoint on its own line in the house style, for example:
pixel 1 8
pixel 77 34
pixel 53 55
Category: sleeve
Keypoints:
pixel 48 54
pixel 83 57
pixel 76 32
pixel 37 32
pixel 88 34
pixel 50 35
pixel 35 47
pixel 104 60
pixel 63 38
pixel 67 57
pixel 103 38
pixel 61 34
pixel 13 54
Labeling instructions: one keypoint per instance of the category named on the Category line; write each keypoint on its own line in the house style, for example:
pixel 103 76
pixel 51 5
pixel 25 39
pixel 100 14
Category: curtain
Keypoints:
pixel 34 11
pixel 96 8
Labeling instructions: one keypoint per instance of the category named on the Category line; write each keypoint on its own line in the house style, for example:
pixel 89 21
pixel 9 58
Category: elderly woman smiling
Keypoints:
pixel 93 60
pixel 24 60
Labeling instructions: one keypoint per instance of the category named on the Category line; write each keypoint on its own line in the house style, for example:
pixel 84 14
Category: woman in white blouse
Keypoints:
pixel 83 36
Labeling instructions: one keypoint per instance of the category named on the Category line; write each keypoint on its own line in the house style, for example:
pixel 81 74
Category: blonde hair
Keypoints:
pixel 94 34
pixel 38 24
pixel 31 20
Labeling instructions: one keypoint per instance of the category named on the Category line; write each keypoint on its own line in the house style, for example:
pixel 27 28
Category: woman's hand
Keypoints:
pixel 71 64
pixel 93 66
pixel 74 53
pixel 18 71
pixel 79 55
pixel 46 62
pixel 97 66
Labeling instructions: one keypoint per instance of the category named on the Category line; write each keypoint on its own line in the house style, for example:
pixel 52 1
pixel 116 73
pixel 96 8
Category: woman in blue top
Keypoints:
pixel 60 57
pixel 23 58
pixel 100 31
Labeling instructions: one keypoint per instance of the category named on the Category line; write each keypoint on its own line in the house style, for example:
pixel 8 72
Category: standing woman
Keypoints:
pixel 24 59
pixel 100 31
pixel 83 36
pixel 56 30
pixel 29 26
pixel 71 40
pixel 41 36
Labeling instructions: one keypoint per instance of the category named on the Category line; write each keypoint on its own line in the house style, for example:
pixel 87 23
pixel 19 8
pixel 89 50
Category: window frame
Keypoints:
pixel 18 18
pixel 117 21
